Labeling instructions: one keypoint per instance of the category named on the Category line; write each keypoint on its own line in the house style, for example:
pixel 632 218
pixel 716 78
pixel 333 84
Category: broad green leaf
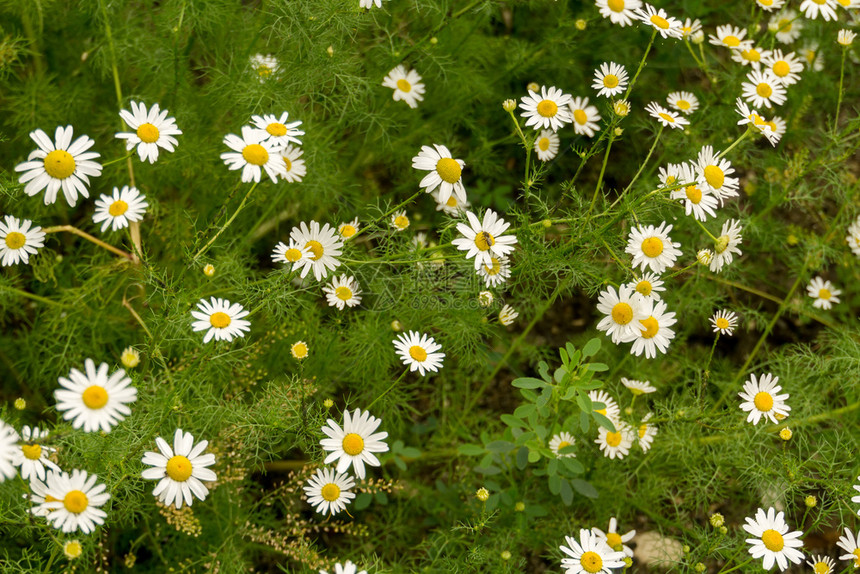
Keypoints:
pixel 470 449
pixel 584 488
pixel 591 347
pixel 528 383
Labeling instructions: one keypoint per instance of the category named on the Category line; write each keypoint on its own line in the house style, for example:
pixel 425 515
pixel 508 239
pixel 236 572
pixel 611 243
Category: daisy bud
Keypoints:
pixel 698 37
pixel 717 520
pixel 621 108
pixel 72 549
pixel 792 239
pixel 700 567
pixel 509 105
pixel 396 326
pixel 483 494
pixel 299 350
pixel 686 548
pixel 20 404
pixel 505 555
pixel 546 223
pixel 845 37
pixel 520 506
pixel 628 562
pixel 130 357
pixel 434 40
pixel 810 501
pixel 785 434
pixel 581 24
pixel 328 403
pixel 485 298
pixel 723 530
pixel 533 86
pixel 209 270
pixel 704 256
pixel 618 132
pixel 330 51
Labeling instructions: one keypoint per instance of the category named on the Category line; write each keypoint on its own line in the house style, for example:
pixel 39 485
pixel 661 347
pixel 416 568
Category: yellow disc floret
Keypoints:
pixel 764 90
pixel 547 108
pixel 117 208
pixel 580 117
pixel 448 169
pixel 15 240
pixel 418 353
pixel 330 492
pixel 622 313
pixel 94 397
pixel 616 5
pixel 484 241
pixel 651 327
pixel 179 468
pixel 714 176
pixel 32 451
pixel 591 562
pixel 763 401
pixel 219 319
pixel 353 444
pixel 255 154
pixel 316 248
pixel 773 540
pixel 147 133
pixel 660 22
pixel 276 129
pixel 652 247
pixel 613 438
pixel 343 293
pixel 75 501
pixel 59 164
pixel 610 80
pixel 404 86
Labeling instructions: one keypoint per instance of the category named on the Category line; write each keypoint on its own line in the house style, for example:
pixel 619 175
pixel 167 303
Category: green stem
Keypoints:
pixel 394 384
pixel 88 237
pixel 641 64
pixel 644 163
pixel 117 160
pixel 705 229
pixel 706 374
pixel 736 142
pixel 738 567
pixel 841 78
pixel 206 247
pixel 385 215
pixel 32 296
pixel 600 177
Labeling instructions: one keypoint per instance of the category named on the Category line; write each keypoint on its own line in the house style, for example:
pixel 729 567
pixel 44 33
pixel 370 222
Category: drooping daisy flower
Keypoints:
pixel 610 79
pixel 666 117
pixel 726 245
pixel 638 387
pixel 729 36
pixel 290 253
pixel 152 130
pixel 485 298
pixel 299 350
pixel 348 229
pixel 751 56
pixel 585 117
pixel 772 541
pixel 658 19
pixel 180 470
pixel 549 110
pixel 615 444
pixel 407 85
pixel 761 399
pixel 446 173
pixel 698 200
pixel 278 131
pixel 117 210
pixel 32 457
pixel 497 272
pixel 328 491
pixel 724 322
pixel 546 145
pixel 93 400
pixel 609 409
pixel 590 555
pixel 343 292
pixel 348 567
pixel 684 102
pixel 355 443
pixel 294 166
pixel 18 241
pixel 646 433
pixel 763 89
pixel 770 5
pixel 670 175
pixel 845 37
pixel 822 564
pixel 399 221
pixel 692 30
pixel 484 240
pixel 654 332
pixel 59 164
pixel 8 449
pixel 652 247
pixel 419 352
pixel 507 315
pixel 623 312
pixel 648 285
pixel 812 8
pixel 265 66
pixel 753 118
pixel 823 292
pixel 324 244
pixel 452 206
pixel 786 26
pixel 786 68
pixel 714 171
pixel 621 12
pixel 220 319
pixel 615 540
pixel 560 441
pixel 851 545
pixel 72 501
pixel 253 153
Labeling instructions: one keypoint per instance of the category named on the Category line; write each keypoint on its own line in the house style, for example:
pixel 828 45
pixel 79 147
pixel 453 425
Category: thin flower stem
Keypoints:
pixel 705 229
pixel 117 160
pixel 32 296
pixel 738 567
pixel 528 148
pixel 206 247
pixel 386 214
pixel 88 237
pixel 736 142
pixel 600 177
pixel 841 78
pixel 137 317
pixel 644 163
pixel 394 384
pixel 706 373
pixel 641 64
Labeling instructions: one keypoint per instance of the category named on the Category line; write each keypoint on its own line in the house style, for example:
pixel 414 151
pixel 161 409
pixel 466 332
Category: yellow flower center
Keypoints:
pixel 820 2
pixel 844 3
pixel 763 401
pixel 264 71
pixel 316 248
pixel 543 144
pixel 784 25
pixel 343 293
pixel 591 562
pixel 179 468
pixel 601 411
pixel 643 430
pixel 683 104
pixel 331 492
pixel 117 208
pixel 821 568
pixel 59 164
pixel 276 129
pixel 722 243
pixel 219 319
pixel 772 540
pixel 15 240
pixel 765 2
pixel 613 439
pixel 292 254
pixel 667 117
pixel 651 327
pixel 614 540
pixel 287 163
pixel 547 108
pixel 147 133
pixel 404 86
pixel 563 444
pixel 644 287
pixel 484 241
pixel 580 117
pixel 732 41
pixel 452 202
pixel 300 350
pixel 652 247
pixel 32 451
pixel 824 294
pixel 670 180
pixel 347 230
pixel 418 353
pixel 751 55
pixel 353 444
pixel 660 22
pixel 616 5
pixel 94 397
pixel 495 268
pixel 856 553
pixel 781 68
pixel 610 80
pixel 255 154
pixel 714 176
pixel 73 549
pixel 764 90
pixel 448 169
pixel 75 501
pixel 401 222
pixel 722 323
pixel 694 194
pixel 622 313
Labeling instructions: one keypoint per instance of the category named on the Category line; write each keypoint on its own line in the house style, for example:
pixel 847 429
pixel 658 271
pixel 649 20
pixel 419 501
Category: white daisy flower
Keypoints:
pixel 560 441
pixel 18 241
pixel 8 450
pixel 507 315
pixel 692 30
pixel 615 540
pixel 294 167
pixel 623 312
pixel 726 245
pixel 590 555
pixel 770 5
pixel 714 172
pixel 117 210
pixel 666 117
pixel 724 322
pixel 670 175
pixel 698 200
pixel 684 102
pixel 59 164
pixel 93 400
pixel 546 145
pixel 822 564
pixel 646 433
pixel 407 85
pixel 253 153
pixel 654 333
pixel 610 79
pixel 325 246
pixel 786 26
pixel 72 501
pixel 763 89
pixel 483 240
pixel 369 3
pixel 638 387
pixel 731 37
pixel 852 239
pixel 823 292
pixel 354 444
pixel 419 352
pixel 348 567
pixel 772 541
pixel 348 229
pixel 32 457
pixel 485 298
pixel 845 37
pixel 761 399
pixel 658 19
pixel 615 444
pixel 220 319
pixel 399 221
pixel 812 8
pixel 652 247
pixel 328 491
pixel 152 130
pixel 753 118
pixel 265 66
pixel 610 408
pixel 277 131
pixel 180 470
pixel 750 57
pixel 621 12
pixel 851 545
pixel 814 59
pixel 786 68
pixel 497 272
pixel 648 285
pixel 446 173
pixel 549 110
pixel 290 253
pixel 453 206
pixel 342 292
pixel 585 117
